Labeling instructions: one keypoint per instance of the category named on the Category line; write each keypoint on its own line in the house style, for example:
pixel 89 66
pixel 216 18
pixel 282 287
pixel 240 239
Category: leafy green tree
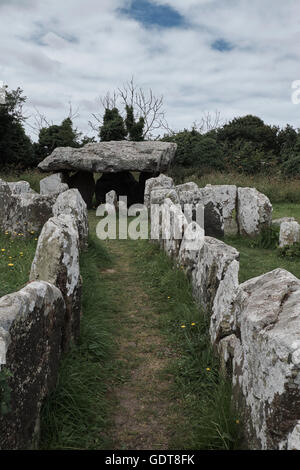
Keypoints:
pixel 16 149
pixel 63 135
pixel 135 129
pixel 113 127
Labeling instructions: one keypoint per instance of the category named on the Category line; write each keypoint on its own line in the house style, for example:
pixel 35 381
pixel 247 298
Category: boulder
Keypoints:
pixel 20 187
pixel 254 211
pixel 53 184
pixel 161 182
pixel 289 233
pixel 222 319
pixel 158 195
pixel 213 261
pixel 30 347
pixel 23 212
pixel 225 198
pixel 174 224
pixel 213 220
pixel 191 244
pixel 265 358
pixel 57 261
pixel 71 203
pixel 189 186
pixel 85 183
pixel 111 198
pixel 113 156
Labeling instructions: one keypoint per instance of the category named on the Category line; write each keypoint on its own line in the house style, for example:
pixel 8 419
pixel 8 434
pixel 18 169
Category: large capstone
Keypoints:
pixel 111 157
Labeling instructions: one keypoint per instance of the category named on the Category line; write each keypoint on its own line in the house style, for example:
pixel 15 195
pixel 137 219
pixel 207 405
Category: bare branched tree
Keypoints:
pixel 39 120
pixel 145 105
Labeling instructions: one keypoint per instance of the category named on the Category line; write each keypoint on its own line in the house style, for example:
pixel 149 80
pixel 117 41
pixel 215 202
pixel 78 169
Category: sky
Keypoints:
pixel 235 57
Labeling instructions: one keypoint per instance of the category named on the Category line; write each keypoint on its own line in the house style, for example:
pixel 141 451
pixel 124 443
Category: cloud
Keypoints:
pixel 236 56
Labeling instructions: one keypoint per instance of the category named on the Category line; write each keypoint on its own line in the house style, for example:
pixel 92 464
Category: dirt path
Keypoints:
pixel 144 414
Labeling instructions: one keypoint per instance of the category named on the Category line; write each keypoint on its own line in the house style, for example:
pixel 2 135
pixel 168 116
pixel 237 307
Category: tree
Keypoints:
pixel 134 129
pixel 145 106
pixel 63 135
pixel 16 149
pixel 113 127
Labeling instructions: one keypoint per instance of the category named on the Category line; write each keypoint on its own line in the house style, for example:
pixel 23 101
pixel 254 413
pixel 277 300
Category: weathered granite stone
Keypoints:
pixel 289 233
pixel 189 186
pixel 192 199
pixel 266 358
pixel 57 261
pixel 23 212
pixel 191 244
pixel 225 198
pixel 161 182
pixel 113 156
pixel 254 211
pixel 85 183
pixel 30 346
pixel 71 203
pixel 20 187
pixel 111 198
pixel 222 319
pixel 174 224
pixel 53 184
pixel 293 440
pixel 213 261
pixel 158 195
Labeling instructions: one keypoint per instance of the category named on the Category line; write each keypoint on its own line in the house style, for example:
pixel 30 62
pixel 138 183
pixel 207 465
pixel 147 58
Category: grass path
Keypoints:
pixel 144 375
pixel 143 415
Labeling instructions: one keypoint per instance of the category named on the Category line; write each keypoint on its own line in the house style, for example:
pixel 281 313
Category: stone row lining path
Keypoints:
pixel 144 414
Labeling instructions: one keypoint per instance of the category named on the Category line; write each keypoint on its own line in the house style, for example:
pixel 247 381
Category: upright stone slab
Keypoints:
pixel 190 247
pixel 57 261
pixel 289 233
pixel 213 261
pixel 31 323
pixel 23 212
pixel 225 197
pixel 20 187
pixel 53 184
pixel 264 353
pixel 71 203
pixel 174 224
pixel 254 211
pixel 160 182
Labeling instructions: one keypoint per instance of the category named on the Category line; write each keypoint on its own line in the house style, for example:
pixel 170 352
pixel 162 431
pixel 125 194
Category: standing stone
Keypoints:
pixel 85 183
pixel 213 261
pixel 174 224
pixel 53 184
pixel 161 182
pixel 222 319
pixel 71 203
pixel 20 187
pixel 265 358
pixel 289 233
pixel 254 211
pixel 158 195
pixel 225 197
pixel 31 323
pixel 23 212
pixel 111 198
pixel 191 244
pixel 57 261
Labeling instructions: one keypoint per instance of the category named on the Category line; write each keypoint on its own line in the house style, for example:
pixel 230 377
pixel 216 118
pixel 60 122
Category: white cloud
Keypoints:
pixel 75 51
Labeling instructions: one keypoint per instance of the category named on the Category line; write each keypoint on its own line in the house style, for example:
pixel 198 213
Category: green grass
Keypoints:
pixel 77 414
pixel 203 394
pixel 18 252
pixel 286 209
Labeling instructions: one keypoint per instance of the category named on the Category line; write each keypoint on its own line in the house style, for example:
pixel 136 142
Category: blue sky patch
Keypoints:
pixel 222 45
pixel 150 14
